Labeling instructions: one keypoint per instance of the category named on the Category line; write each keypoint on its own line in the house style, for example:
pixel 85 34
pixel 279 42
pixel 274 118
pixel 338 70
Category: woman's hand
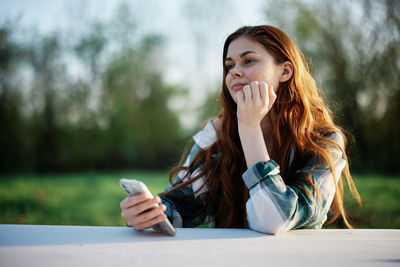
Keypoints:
pixel 253 103
pixel 142 211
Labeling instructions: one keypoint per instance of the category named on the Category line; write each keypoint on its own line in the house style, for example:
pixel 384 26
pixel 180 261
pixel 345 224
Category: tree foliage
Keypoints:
pixel 355 51
pixel 94 100
pixel 97 99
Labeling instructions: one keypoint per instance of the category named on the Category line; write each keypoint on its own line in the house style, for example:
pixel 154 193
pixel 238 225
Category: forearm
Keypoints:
pixel 275 207
pixel 253 144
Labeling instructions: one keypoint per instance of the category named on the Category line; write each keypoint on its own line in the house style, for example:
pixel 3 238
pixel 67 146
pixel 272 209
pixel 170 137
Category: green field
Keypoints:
pixel 93 199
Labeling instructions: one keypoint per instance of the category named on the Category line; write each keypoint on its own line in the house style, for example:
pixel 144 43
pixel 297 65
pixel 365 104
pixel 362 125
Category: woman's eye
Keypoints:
pixel 229 66
pixel 248 61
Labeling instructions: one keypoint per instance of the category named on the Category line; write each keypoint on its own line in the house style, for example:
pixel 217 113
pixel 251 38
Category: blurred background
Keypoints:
pixel 92 91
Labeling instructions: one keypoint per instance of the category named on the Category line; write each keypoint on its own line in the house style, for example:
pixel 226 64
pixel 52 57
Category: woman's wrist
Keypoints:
pixel 253 144
pixel 251 128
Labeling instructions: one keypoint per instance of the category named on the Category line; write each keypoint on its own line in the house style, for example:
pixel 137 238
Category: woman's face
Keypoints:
pixel 246 61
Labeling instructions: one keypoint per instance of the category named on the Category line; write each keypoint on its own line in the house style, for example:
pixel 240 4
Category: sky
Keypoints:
pixel 194 33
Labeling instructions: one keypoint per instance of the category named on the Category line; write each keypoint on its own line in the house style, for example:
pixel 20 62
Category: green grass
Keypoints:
pixel 69 199
pixel 93 198
pixel 380 202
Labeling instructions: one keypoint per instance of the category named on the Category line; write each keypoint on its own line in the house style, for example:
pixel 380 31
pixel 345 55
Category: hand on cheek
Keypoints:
pixel 253 103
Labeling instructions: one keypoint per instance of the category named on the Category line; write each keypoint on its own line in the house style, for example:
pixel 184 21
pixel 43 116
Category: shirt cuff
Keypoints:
pixel 258 172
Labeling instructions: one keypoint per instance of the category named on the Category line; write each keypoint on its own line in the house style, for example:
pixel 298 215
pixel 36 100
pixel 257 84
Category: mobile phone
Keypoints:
pixel 134 187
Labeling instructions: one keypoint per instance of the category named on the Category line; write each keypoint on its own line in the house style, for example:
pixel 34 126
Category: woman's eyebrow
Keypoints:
pixel 241 55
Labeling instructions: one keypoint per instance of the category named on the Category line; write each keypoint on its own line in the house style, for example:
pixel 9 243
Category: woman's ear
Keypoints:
pixel 287 71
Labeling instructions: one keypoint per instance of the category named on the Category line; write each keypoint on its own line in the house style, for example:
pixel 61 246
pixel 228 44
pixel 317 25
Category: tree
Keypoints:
pixel 141 127
pixel 96 101
pixel 13 136
pixel 357 66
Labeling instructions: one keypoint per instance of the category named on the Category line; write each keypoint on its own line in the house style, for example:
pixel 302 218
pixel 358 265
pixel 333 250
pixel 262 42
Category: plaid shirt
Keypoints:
pixel 273 207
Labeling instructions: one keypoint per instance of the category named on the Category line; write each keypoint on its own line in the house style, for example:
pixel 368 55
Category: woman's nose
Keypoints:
pixel 236 71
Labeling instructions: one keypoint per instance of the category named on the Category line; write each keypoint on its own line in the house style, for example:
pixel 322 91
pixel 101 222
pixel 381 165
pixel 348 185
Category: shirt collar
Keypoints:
pixel 207 136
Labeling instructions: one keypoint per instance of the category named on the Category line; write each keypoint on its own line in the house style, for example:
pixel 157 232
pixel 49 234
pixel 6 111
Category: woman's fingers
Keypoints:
pixel 131 207
pixel 239 97
pixel 142 211
pixel 151 214
pixel 133 200
pixel 255 103
pixel 145 219
pixel 145 205
pixel 152 222
pixel 272 96
pixel 255 91
pixel 247 93
pixel 264 93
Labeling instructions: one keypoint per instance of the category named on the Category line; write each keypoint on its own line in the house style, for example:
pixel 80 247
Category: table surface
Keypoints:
pixel 47 245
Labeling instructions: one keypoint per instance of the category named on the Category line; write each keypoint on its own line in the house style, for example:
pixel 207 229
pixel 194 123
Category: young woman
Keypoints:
pixel 271 161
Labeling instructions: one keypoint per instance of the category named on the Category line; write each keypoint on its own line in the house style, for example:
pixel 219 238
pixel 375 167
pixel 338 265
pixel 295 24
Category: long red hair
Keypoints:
pixel 302 118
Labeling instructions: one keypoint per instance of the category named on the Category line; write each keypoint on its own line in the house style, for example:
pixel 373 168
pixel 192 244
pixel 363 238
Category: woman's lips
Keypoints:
pixel 238 86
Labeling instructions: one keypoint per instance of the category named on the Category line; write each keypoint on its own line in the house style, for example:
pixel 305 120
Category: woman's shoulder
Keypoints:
pixel 335 136
pixel 208 135
pixel 217 123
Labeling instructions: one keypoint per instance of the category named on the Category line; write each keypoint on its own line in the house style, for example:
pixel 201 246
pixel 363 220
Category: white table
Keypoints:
pixel 44 245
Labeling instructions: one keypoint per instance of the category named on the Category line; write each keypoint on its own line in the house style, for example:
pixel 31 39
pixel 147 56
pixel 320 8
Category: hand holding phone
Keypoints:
pixel 134 187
